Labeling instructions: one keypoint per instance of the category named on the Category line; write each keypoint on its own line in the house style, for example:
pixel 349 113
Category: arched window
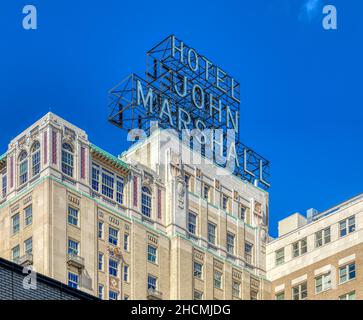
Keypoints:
pixel 146 202
pixel 35 155
pixel 23 168
pixel 67 159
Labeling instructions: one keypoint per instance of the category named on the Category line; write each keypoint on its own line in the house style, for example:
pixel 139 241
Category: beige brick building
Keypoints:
pixel 319 257
pixel 148 225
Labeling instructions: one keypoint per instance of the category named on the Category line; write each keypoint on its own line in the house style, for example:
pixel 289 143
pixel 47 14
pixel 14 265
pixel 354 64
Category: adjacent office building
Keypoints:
pixel 319 256
pixel 149 224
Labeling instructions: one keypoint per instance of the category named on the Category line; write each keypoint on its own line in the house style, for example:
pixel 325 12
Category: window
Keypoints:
pixel 95 178
pixel 323 283
pixel 4 186
pixel 224 202
pixel 112 295
pixel 211 233
pixel 253 295
pixel 248 252
pixel 217 279
pixel 280 256
pixel 299 247
pixel 347 273
pixel 113 236
pixel 28 246
pixel 15 252
pixel 126 273
pixel 120 190
pixel 280 296
pixel 206 190
pixel 73 247
pixel 100 261
pixel 151 253
pixel 151 282
pixel 230 243
pixel 73 280
pixel 146 202
pixel 113 267
pixel 192 223
pixel 35 156
pixel 126 297
pixel 100 291
pixel 236 289
pixel 67 159
pixel 198 270
pixel 73 216
pixel 23 168
pixel 347 226
pixel 242 212
pixel 300 292
pixel 322 237
pixel 28 214
pixel 126 242
pixel 100 229
pixel 198 295
pixel 15 223
pixel 348 296
pixel 107 184
pixel 187 181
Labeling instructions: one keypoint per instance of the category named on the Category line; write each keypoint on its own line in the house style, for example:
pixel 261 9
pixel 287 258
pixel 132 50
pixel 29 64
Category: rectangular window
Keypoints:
pixel 280 296
pixel 248 252
pixel 236 289
pixel 211 233
pixel 323 283
pixel 230 243
pixel 322 237
pixel 299 247
pixel 198 270
pixel 15 252
pixel 254 295
pixel 120 190
pixel 300 292
pixel 217 279
pixel 126 242
pixel 206 190
pixel 113 236
pixel 15 223
pixel 95 178
pixel 73 216
pixel 4 186
pixel 28 246
pixel 151 282
pixel 73 247
pixel 28 214
pixel 113 267
pixel 107 185
pixel 348 296
pixel 192 223
pixel 73 280
pixel 100 291
pixel 347 273
pixel 151 254
pixel 126 273
pixel 242 212
pixel 347 226
pixel 113 295
pixel 100 229
pixel 198 295
pixel 280 256
pixel 100 261
pixel 224 202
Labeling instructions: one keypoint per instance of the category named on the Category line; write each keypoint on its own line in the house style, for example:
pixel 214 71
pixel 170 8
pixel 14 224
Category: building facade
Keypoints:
pixel 150 224
pixel 319 257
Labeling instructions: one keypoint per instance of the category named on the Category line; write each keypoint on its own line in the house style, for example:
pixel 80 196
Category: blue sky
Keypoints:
pixel 301 85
